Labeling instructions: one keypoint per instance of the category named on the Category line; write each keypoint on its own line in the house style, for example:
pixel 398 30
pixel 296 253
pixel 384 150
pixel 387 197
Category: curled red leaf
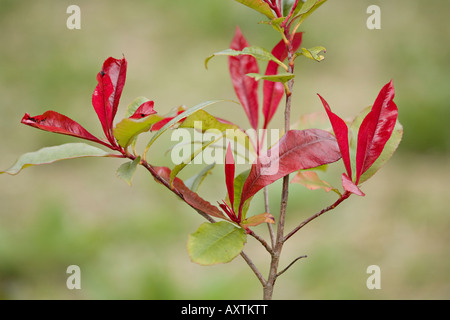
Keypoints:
pixel 144 110
pixel 58 123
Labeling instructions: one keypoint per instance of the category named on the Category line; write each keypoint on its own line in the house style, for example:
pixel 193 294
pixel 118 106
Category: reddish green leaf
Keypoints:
pixel 144 110
pixel 258 219
pixel 58 123
pixel 273 92
pixel 376 129
pixel 246 87
pixel 296 150
pixel 192 198
pixel 349 186
pixel 341 132
pixel 311 180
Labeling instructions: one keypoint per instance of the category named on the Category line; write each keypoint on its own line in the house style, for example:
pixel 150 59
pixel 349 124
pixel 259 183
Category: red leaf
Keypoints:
pixel 246 87
pixel 116 69
pixel 229 174
pixel 107 93
pixel 102 106
pixel 349 186
pixel 340 129
pixel 189 196
pixel 296 150
pixel 274 91
pixel 144 110
pixel 166 120
pixel 376 129
pixel 55 122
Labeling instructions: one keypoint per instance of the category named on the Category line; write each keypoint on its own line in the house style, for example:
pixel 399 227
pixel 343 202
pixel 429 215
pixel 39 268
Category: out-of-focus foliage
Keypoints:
pixel 130 242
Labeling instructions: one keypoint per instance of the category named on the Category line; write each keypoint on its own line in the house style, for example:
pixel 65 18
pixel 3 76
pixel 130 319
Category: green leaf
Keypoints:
pixel 126 171
pixel 185 162
pixel 215 243
pixel 238 184
pixel 209 122
pixel 313 53
pixel 127 129
pixel 52 154
pixel 175 120
pixel 256 52
pixel 304 11
pixel 195 181
pixel 260 6
pixel 281 77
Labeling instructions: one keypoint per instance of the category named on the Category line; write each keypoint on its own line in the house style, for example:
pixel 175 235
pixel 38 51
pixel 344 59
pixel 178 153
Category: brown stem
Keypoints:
pixel 273 273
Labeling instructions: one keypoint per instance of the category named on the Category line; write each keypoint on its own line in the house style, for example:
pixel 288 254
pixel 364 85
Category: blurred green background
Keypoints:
pixel 130 242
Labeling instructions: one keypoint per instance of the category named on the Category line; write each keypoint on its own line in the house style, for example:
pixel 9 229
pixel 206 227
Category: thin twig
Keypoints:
pixel 261 240
pixel 267 209
pixel 254 268
pixel 290 265
pixel 345 196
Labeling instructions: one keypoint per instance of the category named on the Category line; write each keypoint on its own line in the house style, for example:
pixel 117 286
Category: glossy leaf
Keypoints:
pixel 116 69
pixel 129 128
pixel 53 154
pixel 103 99
pixel 126 171
pixel 260 6
pixel 388 151
pixel 58 123
pixel 340 130
pixel 215 243
pixel 375 130
pixel 273 92
pixel 190 197
pixel 296 150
